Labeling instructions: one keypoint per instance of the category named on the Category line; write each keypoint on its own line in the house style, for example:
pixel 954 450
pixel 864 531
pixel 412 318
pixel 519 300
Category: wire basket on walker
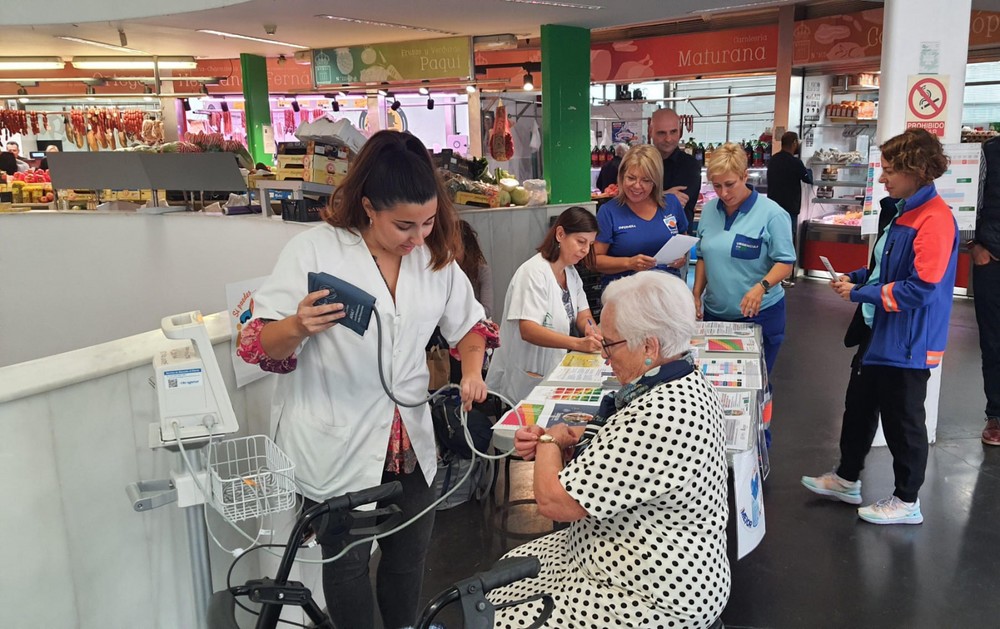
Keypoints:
pixel 251 477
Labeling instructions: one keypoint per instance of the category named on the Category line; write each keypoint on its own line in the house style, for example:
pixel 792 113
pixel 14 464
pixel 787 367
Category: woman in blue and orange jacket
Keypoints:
pixel 905 299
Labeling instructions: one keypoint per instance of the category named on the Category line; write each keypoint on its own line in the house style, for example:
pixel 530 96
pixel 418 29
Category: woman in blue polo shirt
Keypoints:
pixel 745 250
pixel 636 224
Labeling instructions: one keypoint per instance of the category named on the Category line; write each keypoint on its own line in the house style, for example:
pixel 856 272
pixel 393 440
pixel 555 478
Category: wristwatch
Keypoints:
pixel 547 439
pixel 766 285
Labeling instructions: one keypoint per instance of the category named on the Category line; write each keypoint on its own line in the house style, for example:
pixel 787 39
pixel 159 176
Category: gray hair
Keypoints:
pixel 620 149
pixel 653 304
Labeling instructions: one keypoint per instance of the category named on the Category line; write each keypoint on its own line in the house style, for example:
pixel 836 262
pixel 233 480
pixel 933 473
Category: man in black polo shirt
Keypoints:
pixel 785 174
pixel 681 172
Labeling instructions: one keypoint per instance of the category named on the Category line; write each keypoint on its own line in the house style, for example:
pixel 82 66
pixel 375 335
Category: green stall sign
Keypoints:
pixel 444 58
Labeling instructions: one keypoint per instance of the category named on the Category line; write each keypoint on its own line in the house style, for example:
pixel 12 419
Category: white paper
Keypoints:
pixel 676 247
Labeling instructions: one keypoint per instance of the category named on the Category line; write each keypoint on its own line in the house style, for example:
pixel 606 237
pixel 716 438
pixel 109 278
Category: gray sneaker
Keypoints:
pixel 833 486
pixel 892 510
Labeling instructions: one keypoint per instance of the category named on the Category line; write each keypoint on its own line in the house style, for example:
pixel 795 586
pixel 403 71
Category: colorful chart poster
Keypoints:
pixel 544 393
pixel 747 344
pixel 524 414
pixel 958 186
pixel 732 373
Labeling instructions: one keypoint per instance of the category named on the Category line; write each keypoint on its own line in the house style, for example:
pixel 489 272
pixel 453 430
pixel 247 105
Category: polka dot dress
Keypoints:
pixel 652 552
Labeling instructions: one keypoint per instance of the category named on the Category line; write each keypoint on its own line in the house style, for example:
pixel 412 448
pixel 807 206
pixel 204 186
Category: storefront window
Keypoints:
pixel 744 116
pixel 982 102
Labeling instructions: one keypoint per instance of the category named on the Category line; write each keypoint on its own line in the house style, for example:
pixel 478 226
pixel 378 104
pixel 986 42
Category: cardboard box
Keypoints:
pixel 326 170
pixel 478 200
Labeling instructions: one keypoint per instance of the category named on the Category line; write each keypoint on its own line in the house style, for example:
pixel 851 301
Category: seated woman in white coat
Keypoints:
pixel 546 312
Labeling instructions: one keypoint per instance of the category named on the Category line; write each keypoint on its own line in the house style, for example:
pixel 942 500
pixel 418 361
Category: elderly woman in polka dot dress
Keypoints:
pixel 644 486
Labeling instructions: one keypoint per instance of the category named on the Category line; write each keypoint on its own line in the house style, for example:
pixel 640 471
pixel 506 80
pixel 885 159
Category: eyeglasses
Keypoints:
pixel 606 347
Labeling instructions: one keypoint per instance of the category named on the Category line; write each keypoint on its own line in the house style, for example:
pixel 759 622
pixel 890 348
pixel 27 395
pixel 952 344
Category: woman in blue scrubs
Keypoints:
pixel 636 224
pixel 745 250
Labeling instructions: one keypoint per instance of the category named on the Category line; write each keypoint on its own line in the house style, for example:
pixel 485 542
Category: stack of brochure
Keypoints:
pixel 729 356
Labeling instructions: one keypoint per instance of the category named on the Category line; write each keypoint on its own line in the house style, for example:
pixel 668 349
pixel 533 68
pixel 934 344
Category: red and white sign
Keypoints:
pixel 927 103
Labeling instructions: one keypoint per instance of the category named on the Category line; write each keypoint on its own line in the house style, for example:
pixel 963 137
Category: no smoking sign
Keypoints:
pixel 927 103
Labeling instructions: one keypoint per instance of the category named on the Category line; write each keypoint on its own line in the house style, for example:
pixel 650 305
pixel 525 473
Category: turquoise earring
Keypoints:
pixel 649 361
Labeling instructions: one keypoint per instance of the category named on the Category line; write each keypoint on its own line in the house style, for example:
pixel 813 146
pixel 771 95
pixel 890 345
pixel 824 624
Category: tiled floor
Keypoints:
pixel 819 565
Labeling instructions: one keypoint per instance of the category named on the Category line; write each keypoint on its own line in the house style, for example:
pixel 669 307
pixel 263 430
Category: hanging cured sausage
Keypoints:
pixel 501 141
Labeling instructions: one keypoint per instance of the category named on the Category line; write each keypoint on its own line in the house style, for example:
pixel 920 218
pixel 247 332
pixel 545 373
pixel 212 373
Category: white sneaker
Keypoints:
pixel 892 510
pixel 833 486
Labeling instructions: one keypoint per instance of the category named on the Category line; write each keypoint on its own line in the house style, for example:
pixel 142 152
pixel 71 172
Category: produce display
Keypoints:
pixel 31 186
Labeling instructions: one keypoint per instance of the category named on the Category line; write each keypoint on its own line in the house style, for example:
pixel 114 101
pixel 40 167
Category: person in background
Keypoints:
pixel 8 163
pixel 745 250
pixel 392 231
pixel 903 326
pixel 51 148
pixel 681 172
pixel 785 175
pixel 636 224
pixel 985 252
pixel 473 263
pixel 546 311
pixel 646 497
pixel 15 148
pixel 609 172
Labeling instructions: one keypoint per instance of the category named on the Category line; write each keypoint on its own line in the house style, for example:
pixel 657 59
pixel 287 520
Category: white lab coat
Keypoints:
pixel 333 416
pixel 534 295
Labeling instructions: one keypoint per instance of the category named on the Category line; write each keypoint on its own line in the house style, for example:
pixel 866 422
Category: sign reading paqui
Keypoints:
pixel 443 58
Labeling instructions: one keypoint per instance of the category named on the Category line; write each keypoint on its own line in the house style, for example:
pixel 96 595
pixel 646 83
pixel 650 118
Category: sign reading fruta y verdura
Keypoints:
pixel 443 58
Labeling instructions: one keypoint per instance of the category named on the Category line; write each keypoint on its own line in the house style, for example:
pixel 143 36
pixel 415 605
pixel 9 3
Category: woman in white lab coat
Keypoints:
pixel 391 231
pixel 546 312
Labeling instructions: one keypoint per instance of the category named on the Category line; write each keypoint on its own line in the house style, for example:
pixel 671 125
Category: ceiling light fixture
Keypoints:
pixel 224 106
pixel 134 63
pixel 529 82
pixel 471 89
pixel 395 105
pixel 424 91
pixel 352 20
pixel 295 105
pixel 562 5
pixel 24 99
pixel 31 63
pixel 22 92
pixel 122 38
pixel 336 105
pixel 186 104
pixel 430 103
pixel 262 40
pixel 100 44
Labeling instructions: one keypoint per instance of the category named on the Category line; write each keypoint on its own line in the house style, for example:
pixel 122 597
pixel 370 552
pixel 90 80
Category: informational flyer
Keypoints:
pixel 959 186
pixel 723 328
pixel 573 414
pixel 738 411
pixel 581 368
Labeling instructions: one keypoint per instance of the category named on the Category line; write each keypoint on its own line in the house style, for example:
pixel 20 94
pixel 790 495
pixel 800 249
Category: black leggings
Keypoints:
pixel 346 582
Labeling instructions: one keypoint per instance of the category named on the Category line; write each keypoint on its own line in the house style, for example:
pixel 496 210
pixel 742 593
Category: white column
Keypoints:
pixel 920 38
pixel 913 26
